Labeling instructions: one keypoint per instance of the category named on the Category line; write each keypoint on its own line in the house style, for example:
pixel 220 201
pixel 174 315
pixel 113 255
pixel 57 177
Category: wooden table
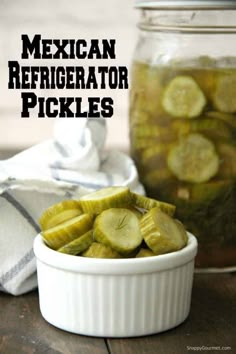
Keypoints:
pixel 211 323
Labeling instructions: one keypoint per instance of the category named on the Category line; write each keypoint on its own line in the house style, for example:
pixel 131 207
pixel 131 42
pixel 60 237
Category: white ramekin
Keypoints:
pixel 115 297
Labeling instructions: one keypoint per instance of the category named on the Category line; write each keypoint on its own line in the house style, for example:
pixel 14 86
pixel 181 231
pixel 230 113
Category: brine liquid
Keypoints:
pixel 208 209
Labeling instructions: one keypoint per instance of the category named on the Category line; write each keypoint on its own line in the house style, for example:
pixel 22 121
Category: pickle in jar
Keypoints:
pixel 183 98
pixel 212 128
pixel 203 188
pixel 194 159
pixel 228 118
pixel 227 154
pixel 224 95
pixel 146 87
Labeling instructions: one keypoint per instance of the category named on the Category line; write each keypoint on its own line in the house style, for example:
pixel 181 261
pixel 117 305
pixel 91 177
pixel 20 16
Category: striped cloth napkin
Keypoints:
pixel 70 165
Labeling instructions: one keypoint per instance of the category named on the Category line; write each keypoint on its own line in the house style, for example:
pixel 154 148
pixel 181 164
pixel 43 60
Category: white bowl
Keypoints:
pixel 115 297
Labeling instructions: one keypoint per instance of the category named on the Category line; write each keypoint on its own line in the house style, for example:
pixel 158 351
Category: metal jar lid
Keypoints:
pixel 186 4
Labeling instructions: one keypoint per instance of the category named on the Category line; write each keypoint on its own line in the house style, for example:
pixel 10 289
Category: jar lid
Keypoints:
pixel 185 4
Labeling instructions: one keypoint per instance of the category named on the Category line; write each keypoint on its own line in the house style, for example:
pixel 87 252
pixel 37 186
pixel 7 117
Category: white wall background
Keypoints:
pixel 62 19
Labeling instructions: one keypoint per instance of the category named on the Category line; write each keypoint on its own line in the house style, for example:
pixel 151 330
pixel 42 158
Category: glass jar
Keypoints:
pixel 183 117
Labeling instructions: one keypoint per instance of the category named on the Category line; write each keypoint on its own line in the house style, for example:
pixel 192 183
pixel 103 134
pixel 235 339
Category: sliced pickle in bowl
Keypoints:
pixel 60 235
pixel 119 229
pixel 59 213
pixel 136 211
pixel 105 198
pixel 161 233
pixel 145 252
pixel 78 245
pixel 99 250
pixel 120 232
pixel 149 203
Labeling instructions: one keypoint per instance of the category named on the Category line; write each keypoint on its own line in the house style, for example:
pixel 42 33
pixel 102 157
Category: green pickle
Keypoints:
pixel 144 252
pixel 183 98
pixel 182 138
pixel 78 245
pixel 98 250
pixel 117 226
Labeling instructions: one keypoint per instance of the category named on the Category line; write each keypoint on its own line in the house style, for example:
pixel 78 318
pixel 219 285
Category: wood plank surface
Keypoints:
pixel 24 331
pixel 211 323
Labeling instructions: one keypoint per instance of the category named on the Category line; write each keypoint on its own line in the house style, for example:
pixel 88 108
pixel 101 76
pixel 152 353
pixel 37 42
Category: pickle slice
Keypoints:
pixel 59 235
pixel 205 193
pixel 158 150
pixel 137 212
pixel 98 250
pixel 158 160
pixel 145 252
pixel 194 159
pixel 158 177
pixel 226 117
pixel 149 203
pixel 146 131
pixel 119 229
pixel 78 245
pixel 145 87
pixel 212 128
pixel 224 96
pixel 161 233
pixel 182 232
pixel 206 79
pixel 59 213
pixel 140 116
pixel 183 98
pixel 139 143
pixel 227 154
pixel 110 197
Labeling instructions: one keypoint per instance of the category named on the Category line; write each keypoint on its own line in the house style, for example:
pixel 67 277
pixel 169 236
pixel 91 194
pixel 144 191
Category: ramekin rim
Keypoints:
pixel 114 266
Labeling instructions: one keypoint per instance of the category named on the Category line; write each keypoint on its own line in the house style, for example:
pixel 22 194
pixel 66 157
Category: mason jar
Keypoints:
pixel 183 117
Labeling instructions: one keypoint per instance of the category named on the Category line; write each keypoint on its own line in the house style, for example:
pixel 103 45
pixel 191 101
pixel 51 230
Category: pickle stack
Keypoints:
pixel 182 133
pixel 113 223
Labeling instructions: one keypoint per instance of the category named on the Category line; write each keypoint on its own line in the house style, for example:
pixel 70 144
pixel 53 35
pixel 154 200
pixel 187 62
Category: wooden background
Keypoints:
pixel 62 19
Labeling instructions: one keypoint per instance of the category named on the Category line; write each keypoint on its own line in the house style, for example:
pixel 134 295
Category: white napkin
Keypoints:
pixel 68 166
